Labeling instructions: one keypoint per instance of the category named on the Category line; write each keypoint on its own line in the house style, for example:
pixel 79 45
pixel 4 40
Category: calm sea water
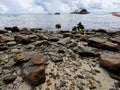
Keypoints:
pixel 67 21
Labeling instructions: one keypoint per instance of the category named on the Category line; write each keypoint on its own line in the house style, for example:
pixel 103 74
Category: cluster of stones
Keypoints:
pixel 58 60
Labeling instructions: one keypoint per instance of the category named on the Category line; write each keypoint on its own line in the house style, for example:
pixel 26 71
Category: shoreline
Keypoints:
pixel 70 60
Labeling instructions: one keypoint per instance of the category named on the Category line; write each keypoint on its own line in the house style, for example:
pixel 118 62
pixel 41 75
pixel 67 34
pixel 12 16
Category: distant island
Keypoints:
pixel 83 11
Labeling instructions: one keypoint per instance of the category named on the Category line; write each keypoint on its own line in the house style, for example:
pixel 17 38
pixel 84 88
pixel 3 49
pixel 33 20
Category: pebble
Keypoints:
pixel 9 78
pixel 48 83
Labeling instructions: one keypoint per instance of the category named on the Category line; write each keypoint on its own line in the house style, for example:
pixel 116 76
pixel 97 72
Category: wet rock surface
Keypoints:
pixel 52 60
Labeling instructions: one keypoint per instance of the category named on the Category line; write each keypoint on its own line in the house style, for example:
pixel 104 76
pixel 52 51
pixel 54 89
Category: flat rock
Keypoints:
pixel 24 56
pixel 5 39
pixel 116 40
pixel 42 37
pixel 103 44
pixel 64 41
pixel 110 61
pixel 3 31
pixel 84 38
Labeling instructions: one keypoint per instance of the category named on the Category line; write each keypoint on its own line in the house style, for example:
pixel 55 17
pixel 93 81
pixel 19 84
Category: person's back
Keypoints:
pixel 80 27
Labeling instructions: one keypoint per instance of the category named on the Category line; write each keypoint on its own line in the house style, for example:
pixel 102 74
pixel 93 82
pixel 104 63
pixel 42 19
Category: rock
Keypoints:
pixel 42 37
pixel 101 31
pixel 3 31
pixel 12 43
pixel 103 44
pixel 57 13
pixel 92 71
pixel 43 42
pixel 62 84
pixel 110 61
pixel 64 41
pixel 24 56
pixel 8 28
pixel 9 78
pixel 84 38
pixel 25 31
pixel 3 46
pixel 58 26
pixel 83 11
pixel 67 35
pixel 61 32
pixel 115 75
pixel 79 85
pixel 0 70
pixel 116 40
pixel 34 70
pixel 53 39
pixel 5 39
pixel 22 39
pixel 93 85
pixel 15 29
pixel 48 83
pixel 56 59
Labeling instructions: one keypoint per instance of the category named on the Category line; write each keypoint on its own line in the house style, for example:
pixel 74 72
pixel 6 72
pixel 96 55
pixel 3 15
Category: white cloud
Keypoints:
pixel 37 6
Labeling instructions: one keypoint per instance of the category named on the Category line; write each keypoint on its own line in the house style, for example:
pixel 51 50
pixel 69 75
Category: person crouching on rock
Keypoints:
pixel 80 28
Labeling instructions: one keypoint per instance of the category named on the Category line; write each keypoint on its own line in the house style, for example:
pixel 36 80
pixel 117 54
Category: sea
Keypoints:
pixel 67 21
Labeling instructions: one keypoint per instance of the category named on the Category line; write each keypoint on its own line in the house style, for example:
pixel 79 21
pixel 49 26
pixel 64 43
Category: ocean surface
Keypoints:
pixel 67 21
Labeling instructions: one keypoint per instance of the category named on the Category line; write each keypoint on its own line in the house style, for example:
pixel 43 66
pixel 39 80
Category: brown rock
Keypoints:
pixel 42 37
pixel 103 44
pixel 22 39
pixel 34 70
pixel 84 38
pixel 43 42
pixel 67 35
pixel 5 39
pixel 110 61
pixel 24 56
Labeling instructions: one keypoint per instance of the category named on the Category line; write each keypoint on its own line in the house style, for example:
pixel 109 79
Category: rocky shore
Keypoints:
pixel 59 60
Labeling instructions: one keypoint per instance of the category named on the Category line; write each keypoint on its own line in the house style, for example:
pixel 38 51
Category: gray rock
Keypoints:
pixel 0 70
pixel 64 41
pixel 9 78
pixel 12 43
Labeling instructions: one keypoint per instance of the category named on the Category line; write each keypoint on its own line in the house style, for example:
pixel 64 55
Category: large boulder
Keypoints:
pixel 22 39
pixel 103 44
pixel 15 29
pixel 110 61
pixel 34 70
pixel 5 39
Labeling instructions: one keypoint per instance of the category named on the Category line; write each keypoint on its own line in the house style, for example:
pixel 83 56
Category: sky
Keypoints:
pixel 51 6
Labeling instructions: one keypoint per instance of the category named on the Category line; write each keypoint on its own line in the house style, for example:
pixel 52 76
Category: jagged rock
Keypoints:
pixel 22 39
pixel 110 61
pixel 64 41
pixel 5 39
pixel 9 78
pixel 42 37
pixel 103 44
pixel 116 40
pixel 3 31
pixel 34 70
pixel 43 42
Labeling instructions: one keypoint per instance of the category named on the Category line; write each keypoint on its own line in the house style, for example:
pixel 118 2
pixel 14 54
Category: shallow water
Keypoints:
pixel 67 21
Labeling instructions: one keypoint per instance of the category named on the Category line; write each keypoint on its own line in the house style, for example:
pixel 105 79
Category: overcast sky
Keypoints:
pixel 45 6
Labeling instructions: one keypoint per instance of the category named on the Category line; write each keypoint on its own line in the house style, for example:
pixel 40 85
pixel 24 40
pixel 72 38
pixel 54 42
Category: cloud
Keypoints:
pixel 38 6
